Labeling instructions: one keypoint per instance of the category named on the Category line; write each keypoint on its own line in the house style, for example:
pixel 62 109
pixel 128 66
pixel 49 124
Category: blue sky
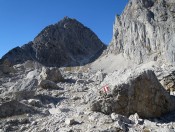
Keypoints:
pixel 22 20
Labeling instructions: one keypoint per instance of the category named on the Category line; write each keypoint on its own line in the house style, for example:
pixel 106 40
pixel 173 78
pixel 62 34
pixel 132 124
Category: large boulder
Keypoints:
pixel 52 74
pixel 12 108
pixel 23 89
pixel 99 76
pixel 140 93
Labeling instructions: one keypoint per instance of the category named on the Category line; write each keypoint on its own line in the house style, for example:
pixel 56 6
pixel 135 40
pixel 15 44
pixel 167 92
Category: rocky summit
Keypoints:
pixel 67 80
pixel 142 94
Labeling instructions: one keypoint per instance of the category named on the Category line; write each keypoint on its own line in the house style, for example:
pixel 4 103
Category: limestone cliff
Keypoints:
pixel 145 31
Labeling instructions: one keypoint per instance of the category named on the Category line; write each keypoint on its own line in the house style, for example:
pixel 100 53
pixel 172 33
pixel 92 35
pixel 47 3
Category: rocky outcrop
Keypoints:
pixel 140 93
pixel 66 43
pixel 52 74
pixel 169 82
pixel 24 89
pixel 47 84
pixel 49 77
pixel 13 108
pixel 145 31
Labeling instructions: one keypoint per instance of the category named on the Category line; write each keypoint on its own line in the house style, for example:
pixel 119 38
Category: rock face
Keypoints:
pixel 52 74
pixel 67 43
pixel 24 89
pixel 169 82
pixel 141 93
pixel 12 108
pixel 145 31
pixel 5 69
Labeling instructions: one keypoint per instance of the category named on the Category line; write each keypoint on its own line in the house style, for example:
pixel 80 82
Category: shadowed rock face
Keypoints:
pixel 66 43
pixel 141 93
pixel 145 31
pixel 19 54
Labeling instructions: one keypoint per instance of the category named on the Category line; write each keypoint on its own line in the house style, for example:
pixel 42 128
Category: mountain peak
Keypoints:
pixel 66 18
pixel 66 43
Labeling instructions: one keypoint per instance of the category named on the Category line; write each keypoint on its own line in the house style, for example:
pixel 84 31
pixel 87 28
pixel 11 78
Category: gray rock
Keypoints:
pixel 69 121
pixel 24 89
pixel 135 119
pixel 99 118
pixel 169 82
pixel 21 90
pixel 52 74
pixel 117 117
pixel 46 112
pixel 23 120
pixel 81 81
pixel 120 125
pixel 34 123
pixel 165 130
pixel 5 69
pixel 54 111
pixel 100 76
pixel 47 84
pixel 140 93
pixel 30 64
pixel 35 102
pixel 12 108
pixel 32 74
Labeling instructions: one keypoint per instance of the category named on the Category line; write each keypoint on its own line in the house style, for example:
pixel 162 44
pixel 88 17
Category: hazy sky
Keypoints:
pixel 22 20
